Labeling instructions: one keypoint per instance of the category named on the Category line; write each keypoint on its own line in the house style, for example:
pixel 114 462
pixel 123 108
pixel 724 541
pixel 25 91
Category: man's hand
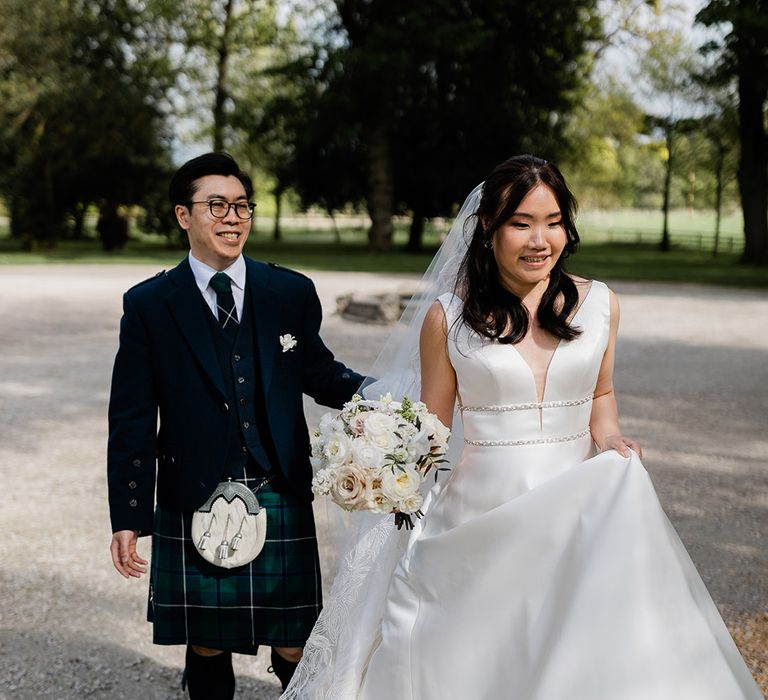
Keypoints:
pixel 124 555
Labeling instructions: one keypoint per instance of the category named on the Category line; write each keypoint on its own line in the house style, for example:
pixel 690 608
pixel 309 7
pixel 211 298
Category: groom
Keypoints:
pixel 221 348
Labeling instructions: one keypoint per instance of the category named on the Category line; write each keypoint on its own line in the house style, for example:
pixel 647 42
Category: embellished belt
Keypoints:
pixel 526 406
pixel 518 443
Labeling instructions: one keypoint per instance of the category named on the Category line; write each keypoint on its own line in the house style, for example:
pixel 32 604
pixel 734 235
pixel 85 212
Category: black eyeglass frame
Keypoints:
pixel 210 202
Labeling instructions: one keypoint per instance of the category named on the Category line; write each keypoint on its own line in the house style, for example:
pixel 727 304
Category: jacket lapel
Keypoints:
pixel 188 309
pixel 265 310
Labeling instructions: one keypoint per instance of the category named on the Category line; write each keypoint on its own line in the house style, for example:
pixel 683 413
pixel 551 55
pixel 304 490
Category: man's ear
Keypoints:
pixel 182 216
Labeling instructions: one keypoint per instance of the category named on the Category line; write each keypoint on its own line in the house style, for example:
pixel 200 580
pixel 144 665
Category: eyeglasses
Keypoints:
pixel 219 208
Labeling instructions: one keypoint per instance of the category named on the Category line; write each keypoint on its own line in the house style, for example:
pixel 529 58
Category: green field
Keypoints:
pixel 609 250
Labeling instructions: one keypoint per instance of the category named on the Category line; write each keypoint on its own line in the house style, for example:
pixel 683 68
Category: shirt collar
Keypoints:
pixel 203 272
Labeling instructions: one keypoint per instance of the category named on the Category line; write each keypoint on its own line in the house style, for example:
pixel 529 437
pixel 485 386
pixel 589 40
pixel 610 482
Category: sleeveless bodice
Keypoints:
pixel 496 387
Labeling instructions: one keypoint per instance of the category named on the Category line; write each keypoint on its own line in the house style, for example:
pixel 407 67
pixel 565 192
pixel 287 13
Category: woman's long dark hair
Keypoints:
pixel 489 308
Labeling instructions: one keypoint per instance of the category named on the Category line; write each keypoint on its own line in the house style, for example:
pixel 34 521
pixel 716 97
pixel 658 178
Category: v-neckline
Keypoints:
pixel 552 355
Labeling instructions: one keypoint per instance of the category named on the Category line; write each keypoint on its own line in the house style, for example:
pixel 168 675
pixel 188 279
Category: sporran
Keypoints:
pixel 230 528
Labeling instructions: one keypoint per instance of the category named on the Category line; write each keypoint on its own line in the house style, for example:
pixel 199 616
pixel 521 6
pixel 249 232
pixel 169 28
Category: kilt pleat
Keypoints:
pixel 275 600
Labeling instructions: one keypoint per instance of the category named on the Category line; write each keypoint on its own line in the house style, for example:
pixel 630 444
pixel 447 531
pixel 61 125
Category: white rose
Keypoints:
pixel 379 503
pixel 399 483
pixel 380 429
pixel 419 445
pixel 379 423
pixel 338 448
pixel 432 426
pixel 411 504
pixel 325 427
pixel 366 454
pixel 441 433
pixel 351 488
pixel 316 462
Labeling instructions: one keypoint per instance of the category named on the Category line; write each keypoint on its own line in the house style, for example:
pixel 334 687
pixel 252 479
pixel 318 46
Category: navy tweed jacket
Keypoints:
pixel 166 370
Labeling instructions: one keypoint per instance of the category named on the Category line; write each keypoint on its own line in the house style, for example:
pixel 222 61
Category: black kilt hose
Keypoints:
pixel 275 600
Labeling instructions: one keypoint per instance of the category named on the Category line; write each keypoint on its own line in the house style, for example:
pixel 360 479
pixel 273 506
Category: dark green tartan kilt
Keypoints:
pixel 275 600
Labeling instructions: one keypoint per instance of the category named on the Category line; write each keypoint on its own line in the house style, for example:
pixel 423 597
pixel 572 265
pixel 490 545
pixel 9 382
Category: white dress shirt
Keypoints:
pixel 203 274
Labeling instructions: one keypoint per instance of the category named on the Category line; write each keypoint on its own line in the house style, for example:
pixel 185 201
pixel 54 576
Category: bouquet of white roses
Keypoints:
pixel 374 456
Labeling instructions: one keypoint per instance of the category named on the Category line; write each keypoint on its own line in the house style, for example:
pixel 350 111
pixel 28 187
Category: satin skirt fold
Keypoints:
pixel 549 574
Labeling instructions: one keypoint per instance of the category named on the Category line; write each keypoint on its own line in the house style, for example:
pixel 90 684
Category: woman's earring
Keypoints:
pixel 488 244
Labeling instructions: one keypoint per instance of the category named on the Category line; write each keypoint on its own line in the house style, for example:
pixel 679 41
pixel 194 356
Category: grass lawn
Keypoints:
pixel 318 250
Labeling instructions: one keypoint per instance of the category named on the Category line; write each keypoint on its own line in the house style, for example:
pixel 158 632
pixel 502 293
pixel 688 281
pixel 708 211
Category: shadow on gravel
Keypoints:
pixel 34 666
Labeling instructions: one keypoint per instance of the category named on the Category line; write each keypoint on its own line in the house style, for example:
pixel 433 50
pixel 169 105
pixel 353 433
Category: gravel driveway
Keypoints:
pixel 692 372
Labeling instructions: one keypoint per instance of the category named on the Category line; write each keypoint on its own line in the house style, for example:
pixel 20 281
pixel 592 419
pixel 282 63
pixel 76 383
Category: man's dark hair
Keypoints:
pixel 182 188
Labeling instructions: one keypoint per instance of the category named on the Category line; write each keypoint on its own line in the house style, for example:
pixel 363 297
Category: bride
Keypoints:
pixel 544 568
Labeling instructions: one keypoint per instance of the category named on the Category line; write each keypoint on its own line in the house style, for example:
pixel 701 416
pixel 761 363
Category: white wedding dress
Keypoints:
pixel 540 572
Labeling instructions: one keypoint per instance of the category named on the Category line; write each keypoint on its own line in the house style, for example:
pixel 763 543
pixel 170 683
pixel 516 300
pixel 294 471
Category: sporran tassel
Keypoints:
pixel 238 538
pixel 222 551
pixel 203 540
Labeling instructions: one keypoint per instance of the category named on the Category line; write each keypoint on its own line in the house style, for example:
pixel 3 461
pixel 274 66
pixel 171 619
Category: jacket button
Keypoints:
pixel 246 424
pixel 131 484
pixel 241 380
pixel 236 358
pixel 225 407
pixel 136 462
pixel 133 503
pixel 244 448
pixel 243 402
pixel 345 375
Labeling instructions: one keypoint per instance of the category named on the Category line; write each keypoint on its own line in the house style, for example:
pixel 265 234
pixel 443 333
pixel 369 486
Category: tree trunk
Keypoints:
pixel 664 243
pixel 334 223
pixel 753 165
pixel 221 79
pixel 416 232
pixel 277 234
pixel 380 190
pixel 718 195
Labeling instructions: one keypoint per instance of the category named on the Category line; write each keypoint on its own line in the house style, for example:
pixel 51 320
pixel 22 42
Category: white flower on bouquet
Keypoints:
pixel 433 427
pixel 411 504
pixel 330 424
pixel 400 482
pixel 351 487
pixel 322 482
pixel 418 446
pixel 399 454
pixel 377 423
pixel 380 429
pixel 379 503
pixel 367 455
pixel 338 448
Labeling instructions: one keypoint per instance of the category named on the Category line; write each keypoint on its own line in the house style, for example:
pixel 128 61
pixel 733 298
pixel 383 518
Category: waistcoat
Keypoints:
pixel 248 435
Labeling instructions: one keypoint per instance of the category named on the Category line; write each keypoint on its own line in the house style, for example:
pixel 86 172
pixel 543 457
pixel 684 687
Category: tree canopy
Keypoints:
pixel 743 57
pixel 80 118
